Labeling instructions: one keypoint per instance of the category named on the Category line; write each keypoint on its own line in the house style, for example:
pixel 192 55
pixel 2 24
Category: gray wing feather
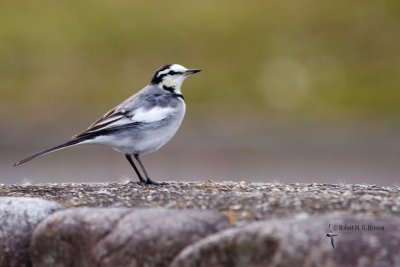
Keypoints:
pixel 147 98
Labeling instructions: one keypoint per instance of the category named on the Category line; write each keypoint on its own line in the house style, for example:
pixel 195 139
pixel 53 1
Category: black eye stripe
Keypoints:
pixel 161 73
pixel 171 72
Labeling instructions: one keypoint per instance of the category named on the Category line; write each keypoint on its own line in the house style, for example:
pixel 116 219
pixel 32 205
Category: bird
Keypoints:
pixel 141 124
pixel 331 235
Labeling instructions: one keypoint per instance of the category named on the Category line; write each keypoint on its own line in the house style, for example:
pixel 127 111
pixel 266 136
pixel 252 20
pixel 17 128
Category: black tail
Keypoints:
pixel 52 149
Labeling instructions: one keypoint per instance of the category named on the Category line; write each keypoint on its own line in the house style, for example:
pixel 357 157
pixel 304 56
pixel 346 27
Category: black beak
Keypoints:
pixel 192 71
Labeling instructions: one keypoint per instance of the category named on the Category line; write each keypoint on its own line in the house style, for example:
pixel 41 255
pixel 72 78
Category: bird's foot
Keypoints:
pixel 141 182
pixel 151 182
pixel 146 182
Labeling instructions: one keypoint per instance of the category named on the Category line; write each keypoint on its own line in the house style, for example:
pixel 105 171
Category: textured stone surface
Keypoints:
pixel 243 202
pixel 300 241
pixel 18 218
pixel 119 236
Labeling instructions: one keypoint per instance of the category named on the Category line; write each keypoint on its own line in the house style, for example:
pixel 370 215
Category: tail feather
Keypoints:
pixel 49 150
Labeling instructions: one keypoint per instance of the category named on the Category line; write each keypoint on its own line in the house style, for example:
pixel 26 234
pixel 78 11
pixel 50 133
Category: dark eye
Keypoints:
pixel 171 72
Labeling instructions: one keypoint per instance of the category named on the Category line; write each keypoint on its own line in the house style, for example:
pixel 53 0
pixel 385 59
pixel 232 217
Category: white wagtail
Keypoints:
pixel 141 124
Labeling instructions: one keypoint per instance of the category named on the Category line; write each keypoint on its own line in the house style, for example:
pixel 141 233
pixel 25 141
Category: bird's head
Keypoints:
pixel 171 77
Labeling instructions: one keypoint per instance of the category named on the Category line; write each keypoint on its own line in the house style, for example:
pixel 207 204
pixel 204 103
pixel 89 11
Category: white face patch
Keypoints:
pixel 174 80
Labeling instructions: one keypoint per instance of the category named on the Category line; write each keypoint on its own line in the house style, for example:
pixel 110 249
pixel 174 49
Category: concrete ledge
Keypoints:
pixel 134 225
pixel 242 202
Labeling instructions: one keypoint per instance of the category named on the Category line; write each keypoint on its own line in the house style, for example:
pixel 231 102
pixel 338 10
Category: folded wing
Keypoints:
pixel 123 118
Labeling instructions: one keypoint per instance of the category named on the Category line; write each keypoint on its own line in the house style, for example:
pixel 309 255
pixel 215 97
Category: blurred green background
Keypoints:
pixel 292 91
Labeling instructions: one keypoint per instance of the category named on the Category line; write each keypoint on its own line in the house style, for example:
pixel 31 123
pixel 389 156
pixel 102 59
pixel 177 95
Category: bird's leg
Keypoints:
pixel 149 181
pixel 129 158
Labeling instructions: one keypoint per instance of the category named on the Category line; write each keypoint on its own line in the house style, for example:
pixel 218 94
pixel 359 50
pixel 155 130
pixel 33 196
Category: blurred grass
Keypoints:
pixel 331 58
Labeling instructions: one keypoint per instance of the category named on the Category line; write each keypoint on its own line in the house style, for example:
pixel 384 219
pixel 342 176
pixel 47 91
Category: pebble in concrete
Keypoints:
pixel 120 236
pixel 367 241
pixel 18 218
